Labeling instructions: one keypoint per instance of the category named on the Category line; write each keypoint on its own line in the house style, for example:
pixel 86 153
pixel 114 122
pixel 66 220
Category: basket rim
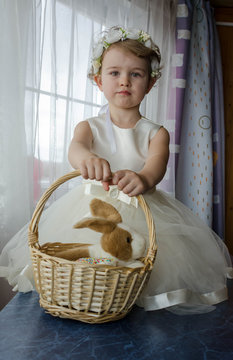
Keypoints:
pixel 62 261
pixel 33 235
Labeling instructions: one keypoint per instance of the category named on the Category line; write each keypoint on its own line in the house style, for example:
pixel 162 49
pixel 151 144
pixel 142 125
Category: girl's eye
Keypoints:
pixel 135 74
pixel 114 73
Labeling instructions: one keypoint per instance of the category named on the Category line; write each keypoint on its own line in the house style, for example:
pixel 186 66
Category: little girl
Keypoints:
pixel 121 148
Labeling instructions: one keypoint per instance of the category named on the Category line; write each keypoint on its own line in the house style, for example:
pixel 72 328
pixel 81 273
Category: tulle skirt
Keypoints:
pixel 192 263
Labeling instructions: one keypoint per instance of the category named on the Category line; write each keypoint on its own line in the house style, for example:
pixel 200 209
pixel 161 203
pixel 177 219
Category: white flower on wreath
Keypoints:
pixel 133 34
pixel 113 36
pixel 96 66
pixel 155 68
pixel 144 36
pixel 148 43
pixel 154 64
pixel 98 50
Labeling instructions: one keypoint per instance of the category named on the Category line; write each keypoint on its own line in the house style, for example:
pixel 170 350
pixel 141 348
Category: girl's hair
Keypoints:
pixel 136 41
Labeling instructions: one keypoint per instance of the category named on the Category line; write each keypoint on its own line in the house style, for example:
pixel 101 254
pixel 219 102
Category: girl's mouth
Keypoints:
pixel 124 92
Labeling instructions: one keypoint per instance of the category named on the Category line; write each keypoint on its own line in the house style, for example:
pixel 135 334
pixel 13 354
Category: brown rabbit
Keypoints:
pixel 116 242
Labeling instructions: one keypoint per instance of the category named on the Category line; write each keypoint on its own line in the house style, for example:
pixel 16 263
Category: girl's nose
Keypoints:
pixel 124 81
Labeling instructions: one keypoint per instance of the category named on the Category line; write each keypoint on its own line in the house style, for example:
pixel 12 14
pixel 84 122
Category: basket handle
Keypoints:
pixel 33 226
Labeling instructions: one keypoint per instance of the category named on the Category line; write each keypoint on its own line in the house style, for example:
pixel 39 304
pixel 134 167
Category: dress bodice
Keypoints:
pixel 131 144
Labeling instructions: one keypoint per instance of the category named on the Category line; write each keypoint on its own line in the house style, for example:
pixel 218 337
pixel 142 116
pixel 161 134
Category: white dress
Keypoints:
pixel 192 263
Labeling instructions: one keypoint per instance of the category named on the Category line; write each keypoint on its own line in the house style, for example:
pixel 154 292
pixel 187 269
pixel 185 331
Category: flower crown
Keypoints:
pixel 116 34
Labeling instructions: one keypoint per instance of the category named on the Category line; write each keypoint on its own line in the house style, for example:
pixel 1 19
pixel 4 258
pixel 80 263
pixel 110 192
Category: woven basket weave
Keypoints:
pixel 89 293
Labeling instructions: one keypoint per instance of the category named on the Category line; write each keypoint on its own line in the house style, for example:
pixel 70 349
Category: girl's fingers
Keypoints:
pixel 98 173
pixel 126 178
pixel 122 184
pixel 84 171
pixel 130 183
pixel 96 168
pixel 105 185
pixel 103 172
pixel 133 193
pixel 118 176
pixel 107 174
pixel 129 188
pixel 138 190
pixel 91 172
pixel 127 181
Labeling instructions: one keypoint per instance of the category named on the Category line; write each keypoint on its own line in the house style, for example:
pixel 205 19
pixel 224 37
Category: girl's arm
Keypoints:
pixel 156 163
pixel 153 171
pixel 81 157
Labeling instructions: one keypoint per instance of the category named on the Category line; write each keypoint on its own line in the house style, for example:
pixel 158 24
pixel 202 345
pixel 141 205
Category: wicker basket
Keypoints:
pixel 89 293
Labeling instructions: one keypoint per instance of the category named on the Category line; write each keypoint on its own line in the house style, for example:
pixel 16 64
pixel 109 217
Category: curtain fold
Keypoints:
pixel 15 189
pixel 200 126
pixel 218 138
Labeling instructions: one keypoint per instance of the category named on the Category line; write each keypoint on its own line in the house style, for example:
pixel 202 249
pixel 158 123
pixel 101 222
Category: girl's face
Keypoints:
pixel 124 78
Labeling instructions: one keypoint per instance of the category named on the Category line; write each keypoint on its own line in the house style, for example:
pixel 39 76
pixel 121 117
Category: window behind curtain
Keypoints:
pixel 59 95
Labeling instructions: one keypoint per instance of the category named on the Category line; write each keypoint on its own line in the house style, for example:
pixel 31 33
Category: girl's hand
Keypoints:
pixel 95 168
pixel 80 156
pixel 129 182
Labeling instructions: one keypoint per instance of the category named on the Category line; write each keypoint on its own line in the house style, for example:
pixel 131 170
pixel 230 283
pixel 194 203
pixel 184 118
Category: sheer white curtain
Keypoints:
pixel 15 180
pixel 44 92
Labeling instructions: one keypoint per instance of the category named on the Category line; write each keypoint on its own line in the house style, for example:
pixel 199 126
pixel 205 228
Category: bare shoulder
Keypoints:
pixel 162 136
pixel 82 125
pixel 82 129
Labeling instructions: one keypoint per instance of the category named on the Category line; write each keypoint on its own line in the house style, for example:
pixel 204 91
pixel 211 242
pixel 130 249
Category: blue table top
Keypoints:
pixel 27 332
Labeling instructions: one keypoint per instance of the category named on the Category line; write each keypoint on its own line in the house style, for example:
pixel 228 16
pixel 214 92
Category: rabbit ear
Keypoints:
pixel 102 209
pixel 99 225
